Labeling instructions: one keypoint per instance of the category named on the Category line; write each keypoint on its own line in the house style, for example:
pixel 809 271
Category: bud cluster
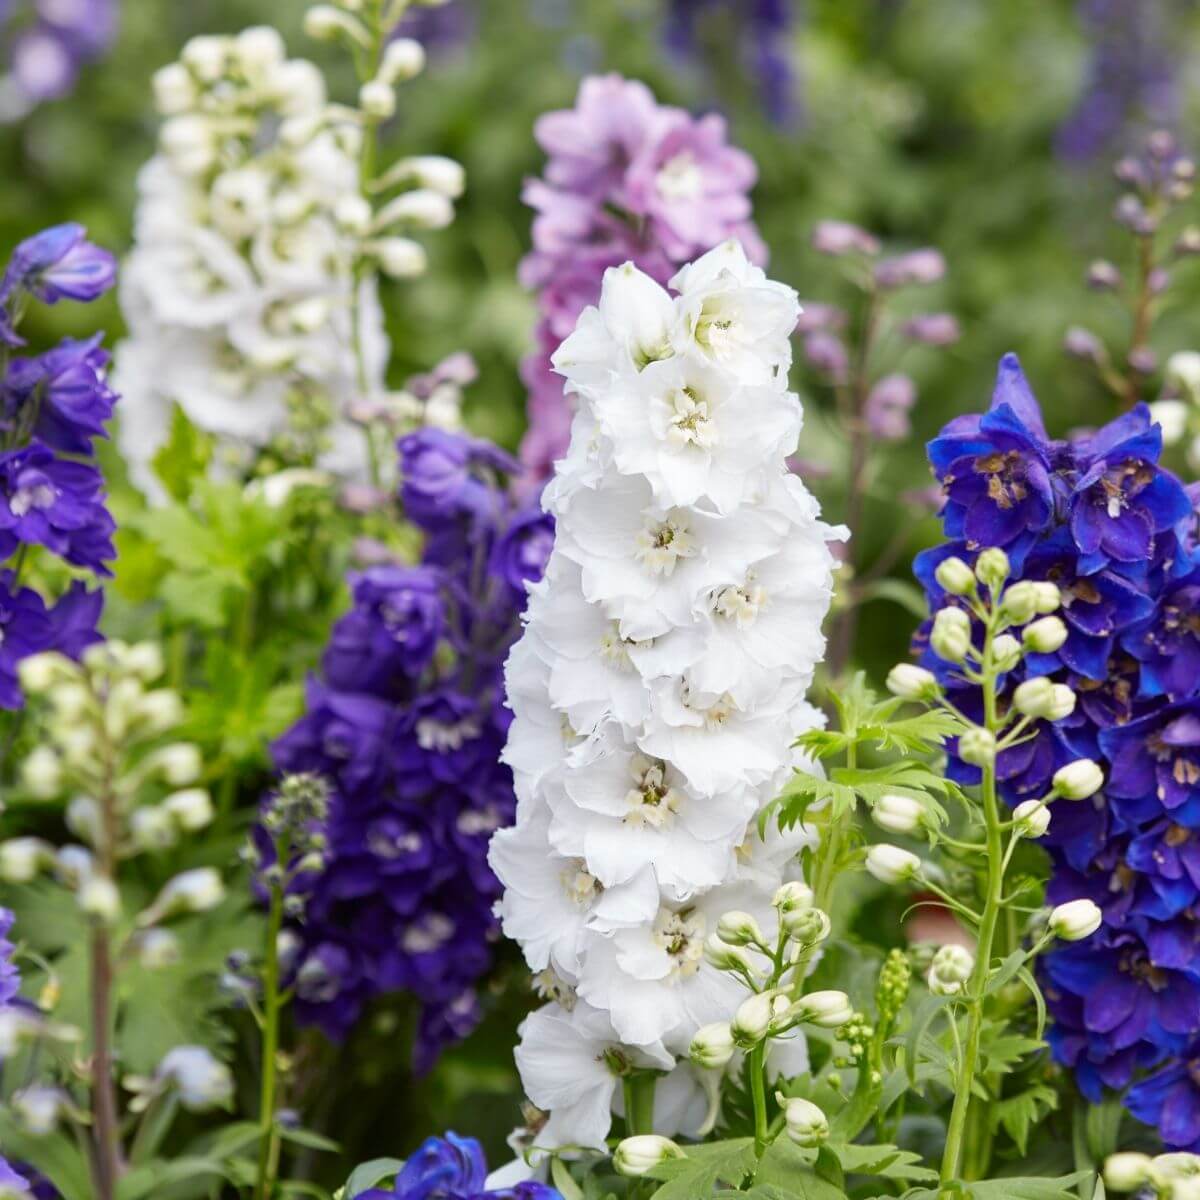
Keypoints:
pixel 1165 1176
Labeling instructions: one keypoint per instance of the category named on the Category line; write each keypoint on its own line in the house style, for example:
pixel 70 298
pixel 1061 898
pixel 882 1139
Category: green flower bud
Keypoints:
pixel 977 747
pixel 1046 635
pixel 1006 652
pixel 955 577
pixel 739 929
pixel 992 568
pixel 1020 602
pixel 712 1046
pixel 1126 1172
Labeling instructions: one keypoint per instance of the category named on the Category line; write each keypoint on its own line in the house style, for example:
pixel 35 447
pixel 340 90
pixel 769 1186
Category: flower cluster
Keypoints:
pixel 250 293
pixel 659 684
pixel 454 1168
pixel 52 408
pixel 1116 681
pixel 764 28
pixel 48 42
pixel 406 724
pixel 10 980
pixel 627 179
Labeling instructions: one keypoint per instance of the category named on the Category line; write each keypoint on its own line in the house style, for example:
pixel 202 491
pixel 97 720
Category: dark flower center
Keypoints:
pixel 1006 477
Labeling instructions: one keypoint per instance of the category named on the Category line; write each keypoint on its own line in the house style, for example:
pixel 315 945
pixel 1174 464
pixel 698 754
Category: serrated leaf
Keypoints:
pixel 924 1017
pixel 1016 1115
pixel 1028 1188
pixel 183 457
pixel 365 1177
pixel 703 1168
pixel 884 1160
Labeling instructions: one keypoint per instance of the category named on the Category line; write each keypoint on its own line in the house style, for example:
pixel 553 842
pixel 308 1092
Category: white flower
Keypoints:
pixel 571 1065
pixel 202 1081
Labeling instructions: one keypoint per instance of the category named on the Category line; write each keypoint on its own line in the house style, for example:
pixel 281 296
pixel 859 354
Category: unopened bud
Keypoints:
pixel 1006 653
pixel 174 89
pixel 98 897
pixel 158 948
pixel 42 773
pixel 399 257
pixel 753 1019
pixel 191 809
pixel 324 22
pixel 791 896
pixel 1019 604
pixel 806 1124
pixel 740 929
pixel 38 673
pixel 911 682
pixel 898 814
pixel 634 1156
pixel 977 747
pixel 951 634
pixel 1031 818
pixel 950 970
pixel 179 763
pixel 1040 698
pixel 1045 635
pixel 21 859
pixel 992 568
pixel 1048 596
pixel 377 99
pixel 806 926
pixel 1126 1172
pixel 1079 779
pixel 955 577
pixel 712 1046
pixel 725 957
pixel 194 891
pixel 421 208
pixel 891 864
pixel 826 1010
pixel 151 828
pixel 1075 920
pixel 403 59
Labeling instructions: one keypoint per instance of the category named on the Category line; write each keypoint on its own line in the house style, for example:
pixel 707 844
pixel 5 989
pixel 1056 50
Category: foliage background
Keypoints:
pixel 928 121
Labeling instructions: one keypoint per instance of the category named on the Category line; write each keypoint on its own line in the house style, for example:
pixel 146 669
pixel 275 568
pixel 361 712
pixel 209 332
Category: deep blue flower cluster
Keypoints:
pixel 407 722
pixel 453 1168
pixel 1100 517
pixel 52 408
pixel 10 981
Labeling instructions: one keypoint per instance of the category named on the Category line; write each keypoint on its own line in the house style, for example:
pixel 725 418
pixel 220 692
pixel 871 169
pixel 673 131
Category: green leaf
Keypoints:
pixel 561 1178
pixel 145 1180
pixel 1028 1188
pixel 1016 1115
pixel 55 1155
pixel 194 599
pixel 703 1168
pixel 886 1160
pixel 1025 975
pixel 363 1178
pixel 924 1017
pixel 899 591
pixel 183 457
pixel 308 1139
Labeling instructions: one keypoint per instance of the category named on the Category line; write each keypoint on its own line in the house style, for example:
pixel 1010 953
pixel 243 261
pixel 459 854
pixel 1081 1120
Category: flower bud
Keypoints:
pixel 22 858
pixel 955 577
pixel 438 173
pixel 258 49
pixel 40 672
pixel 1006 653
pixel 1172 417
pixel 174 89
pixel 71 700
pixel 191 809
pixel 891 864
pixel 1049 598
pixel 1176 1175
pixel 151 828
pixel 898 814
pixel 1126 1172
pixel 84 820
pixel 399 257
pixel 352 214
pixel 403 59
pixel 911 682
pixel 1079 779
pixel 1075 920
pixel 992 568
pixel 951 634
pixel 194 891
pixel 950 970
pixel 1032 819
pixel 724 957
pixel 180 763
pixel 1019 604
pixel 806 926
pixel 324 22
pixel 42 773
pixel 712 1046
pixel 977 747
pixel 753 1019
pixel 157 948
pixel 160 710
pixel 1041 698
pixel 634 1156
pixel 98 897
pixel 38 1108
pixel 791 896
pixel 739 929
pixel 807 1124
pixel 1046 635
pixel 421 208
pixel 377 99
pixel 826 1010
pixel 202 1081
pixel 145 660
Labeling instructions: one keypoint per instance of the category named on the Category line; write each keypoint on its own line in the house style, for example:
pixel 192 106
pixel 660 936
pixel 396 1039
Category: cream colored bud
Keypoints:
pixel 403 59
pixel 377 100
pixel 353 214
pixel 712 1046
pixel 806 926
pixel 739 929
pixel 438 173
pixel 40 672
pixel 1172 417
pixel 806 1124
pixel 1049 598
pixel 791 896
pixel 826 1010
pixel 152 828
pixel 180 763
pixel 175 90
pixel 725 957
pixel 1045 635
pixel 635 1156
pixel 189 141
pixel 71 700
pixel 1031 818
pixel 158 948
pixel 1079 779
pixel 898 814
pixel 21 859
pixel 753 1019
pixel 42 773
pixel 145 660
pixel 191 809
pixel 299 88
pixel 84 819
pixel 911 682
pixel 951 634
pixel 1126 1172
pixel 891 864
pixel 421 208
pixel 1019 604
pixel 1075 920
pixel 1006 652
pixel 955 577
pixel 950 970
pixel 399 257
pixel 159 710
pixel 258 50
pixel 323 22
pixel 98 897
pixel 207 56
pixel 194 891
pixel 992 568
pixel 977 747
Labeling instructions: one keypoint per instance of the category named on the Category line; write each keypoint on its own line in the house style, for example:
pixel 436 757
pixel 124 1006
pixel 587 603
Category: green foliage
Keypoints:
pixel 704 1168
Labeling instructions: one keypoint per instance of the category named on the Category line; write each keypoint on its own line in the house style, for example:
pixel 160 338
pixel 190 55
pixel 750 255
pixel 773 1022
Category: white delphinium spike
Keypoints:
pixel 659 685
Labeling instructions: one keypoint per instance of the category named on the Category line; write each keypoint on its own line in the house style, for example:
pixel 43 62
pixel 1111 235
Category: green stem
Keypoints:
pixel 639 1101
pixel 268 1150
pixel 993 904
pixel 758 1090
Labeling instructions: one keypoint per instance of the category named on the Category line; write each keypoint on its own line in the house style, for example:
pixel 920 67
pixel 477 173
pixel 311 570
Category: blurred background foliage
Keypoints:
pixel 929 122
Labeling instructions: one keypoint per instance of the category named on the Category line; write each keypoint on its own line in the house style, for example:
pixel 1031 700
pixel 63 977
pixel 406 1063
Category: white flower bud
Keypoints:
pixel 323 22
pixel 807 1124
pixel 98 897
pixel 1046 635
pixel 1039 698
pixel 1006 653
pixel 158 948
pixel 1126 1172
pixel 1172 416
pixel 191 809
pixel 201 1080
pixel 206 56
pixel 174 89
pixel 77 743
pixel 753 1019
pixel 403 59
pixel 712 1046
pixel 739 929
pixel 42 773
pixel 1176 1175
pixel 22 858
pixel 189 142
pixel 421 208
pixel 180 763
pixel 71 700
pixel 399 257
pixel 258 50
pixel 1049 598
pixel 898 814
pixel 911 682
pixel 194 891
pixel 951 634
pixel 377 99
pixel 950 970
pixel 151 828
pixel 955 577
pixel 307 316
pixel 1032 818
pixel 353 214
pixel 634 1156
pixel 826 1010
pixel 145 660
pixel 1019 604
pixel 1079 779
pixel 438 173
pixel 891 864
pixel 40 672
pixel 977 747
pixel 806 926
pixel 160 710
pixel 299 88
pixel 1075 920
pixel 992 568
pixel 724 957
pixel 791 896
pixel 38 1108
pixel 73 865
pixel 84 819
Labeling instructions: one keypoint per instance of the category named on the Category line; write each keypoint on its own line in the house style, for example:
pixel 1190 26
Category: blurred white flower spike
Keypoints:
pixel 660 681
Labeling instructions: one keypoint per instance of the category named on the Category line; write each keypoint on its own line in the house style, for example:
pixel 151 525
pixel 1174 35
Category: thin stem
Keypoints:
pixel 269 1146
pixel 1142 310
pixel 758 1090
pixel 993 904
